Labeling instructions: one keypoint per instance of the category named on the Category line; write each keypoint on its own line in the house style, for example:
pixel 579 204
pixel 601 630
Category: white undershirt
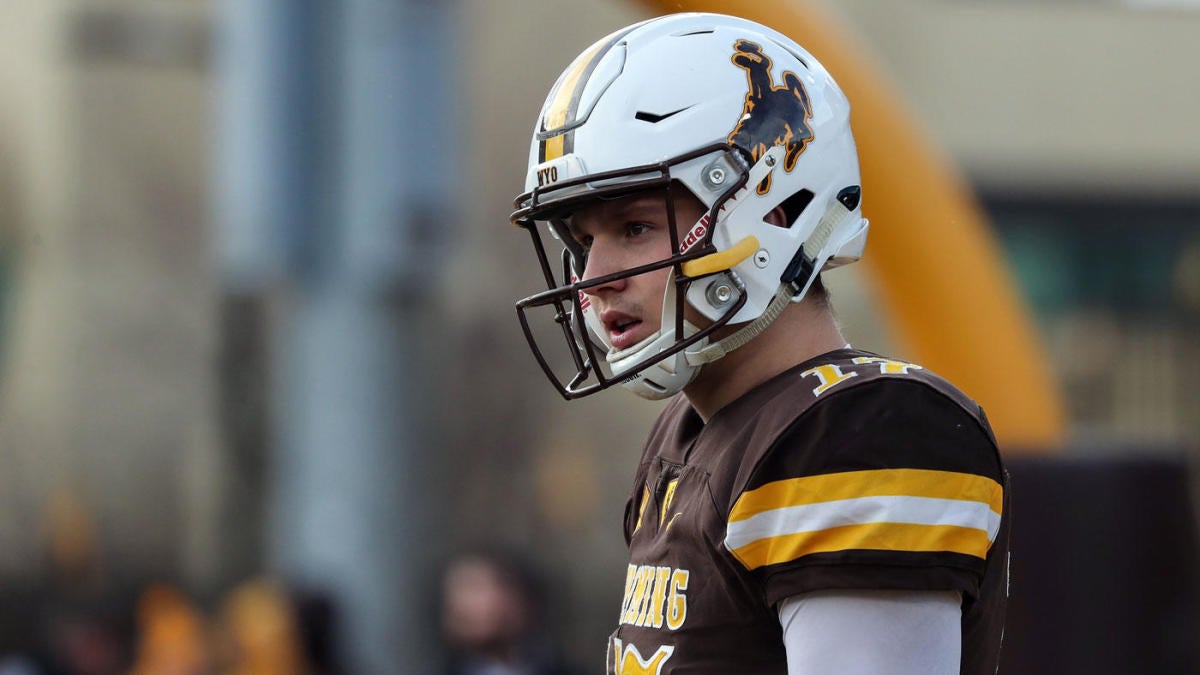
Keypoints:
pixel 869 632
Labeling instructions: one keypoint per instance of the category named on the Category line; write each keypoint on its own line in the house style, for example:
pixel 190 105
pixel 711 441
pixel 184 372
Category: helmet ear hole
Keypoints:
pixel 793 206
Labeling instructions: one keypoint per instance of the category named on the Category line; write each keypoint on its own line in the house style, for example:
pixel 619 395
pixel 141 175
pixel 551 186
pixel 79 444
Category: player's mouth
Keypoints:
pixel 622 328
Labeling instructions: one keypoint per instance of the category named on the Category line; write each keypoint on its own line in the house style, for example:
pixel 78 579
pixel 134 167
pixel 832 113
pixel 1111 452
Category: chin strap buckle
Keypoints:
pixel 801 269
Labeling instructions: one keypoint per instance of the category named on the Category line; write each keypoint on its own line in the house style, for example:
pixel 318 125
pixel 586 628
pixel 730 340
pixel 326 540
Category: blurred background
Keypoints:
pixel 265 406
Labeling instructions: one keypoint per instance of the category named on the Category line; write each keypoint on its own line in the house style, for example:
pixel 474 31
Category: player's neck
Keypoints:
pixel 801 332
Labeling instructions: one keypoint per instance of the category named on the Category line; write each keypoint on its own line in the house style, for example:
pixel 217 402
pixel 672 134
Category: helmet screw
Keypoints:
pixel 770 160
pixel 762 258
pixel 719 293
pixel 716 175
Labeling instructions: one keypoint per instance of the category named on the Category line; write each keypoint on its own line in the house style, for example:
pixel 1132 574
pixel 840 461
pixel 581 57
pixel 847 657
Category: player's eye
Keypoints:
pixel 635 229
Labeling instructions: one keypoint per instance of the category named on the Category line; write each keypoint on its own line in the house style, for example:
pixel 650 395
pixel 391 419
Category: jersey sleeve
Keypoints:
pixel 892 484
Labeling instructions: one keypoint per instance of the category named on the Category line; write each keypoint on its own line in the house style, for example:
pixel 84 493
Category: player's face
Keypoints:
pixel 624 233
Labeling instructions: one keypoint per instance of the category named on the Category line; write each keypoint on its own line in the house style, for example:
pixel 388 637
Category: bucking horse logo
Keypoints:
pixel 772 115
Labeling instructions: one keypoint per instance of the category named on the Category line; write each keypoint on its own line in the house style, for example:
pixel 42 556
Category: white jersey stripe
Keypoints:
pixel 863 511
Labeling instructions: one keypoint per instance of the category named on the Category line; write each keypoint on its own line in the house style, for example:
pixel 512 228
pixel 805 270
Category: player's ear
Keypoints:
pixel 776 217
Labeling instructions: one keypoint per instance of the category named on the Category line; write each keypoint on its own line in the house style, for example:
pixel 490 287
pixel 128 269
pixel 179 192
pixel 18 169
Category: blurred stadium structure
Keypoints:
pixel 145 434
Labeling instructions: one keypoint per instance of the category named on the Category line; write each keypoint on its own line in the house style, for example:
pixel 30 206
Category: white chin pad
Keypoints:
pixel 660 380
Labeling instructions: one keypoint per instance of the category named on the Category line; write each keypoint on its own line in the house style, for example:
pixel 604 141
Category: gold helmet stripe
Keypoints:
pixel 564 103
pixel 571 89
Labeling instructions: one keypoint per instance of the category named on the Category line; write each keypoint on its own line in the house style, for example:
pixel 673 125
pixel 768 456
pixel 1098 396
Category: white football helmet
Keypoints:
pixel 745 120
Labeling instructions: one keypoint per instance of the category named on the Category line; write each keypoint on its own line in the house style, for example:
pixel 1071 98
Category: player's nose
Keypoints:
pixel 602 263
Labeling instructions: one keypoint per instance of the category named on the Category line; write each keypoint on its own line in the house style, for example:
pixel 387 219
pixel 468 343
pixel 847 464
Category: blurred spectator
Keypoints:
pixel 172 636
pixel 259 633
pixel 317 622
pixel 82 625
pixel 492 619
pixel 88 643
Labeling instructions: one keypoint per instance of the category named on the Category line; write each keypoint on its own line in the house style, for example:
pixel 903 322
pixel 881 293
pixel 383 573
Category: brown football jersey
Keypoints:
pixel 850 471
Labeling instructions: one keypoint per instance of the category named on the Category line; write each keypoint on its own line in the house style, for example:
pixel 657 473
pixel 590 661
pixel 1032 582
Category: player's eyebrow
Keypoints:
pixel 647 205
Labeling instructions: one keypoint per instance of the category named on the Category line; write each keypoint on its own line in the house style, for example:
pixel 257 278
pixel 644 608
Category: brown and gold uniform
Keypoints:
pixel 850 471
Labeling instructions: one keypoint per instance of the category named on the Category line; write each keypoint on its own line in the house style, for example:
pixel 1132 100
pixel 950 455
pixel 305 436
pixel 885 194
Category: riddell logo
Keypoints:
pixel 696 234
pixel 700 229
pixel 771 115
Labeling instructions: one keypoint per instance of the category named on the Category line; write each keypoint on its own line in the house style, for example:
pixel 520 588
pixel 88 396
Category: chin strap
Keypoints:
pixel 718 349
pixel 799 269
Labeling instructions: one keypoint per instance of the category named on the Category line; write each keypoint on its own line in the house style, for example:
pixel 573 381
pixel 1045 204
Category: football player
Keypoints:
pixel 801 506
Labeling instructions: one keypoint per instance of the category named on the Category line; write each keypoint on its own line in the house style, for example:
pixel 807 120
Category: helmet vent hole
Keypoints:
pixel 793 52
pixel 655 118
pixel 654 386
pixel 701 31
pixel 793 206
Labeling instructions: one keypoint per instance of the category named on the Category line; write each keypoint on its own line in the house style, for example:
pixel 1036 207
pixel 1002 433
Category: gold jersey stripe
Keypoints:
pixel 869 483
pixel 874 536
